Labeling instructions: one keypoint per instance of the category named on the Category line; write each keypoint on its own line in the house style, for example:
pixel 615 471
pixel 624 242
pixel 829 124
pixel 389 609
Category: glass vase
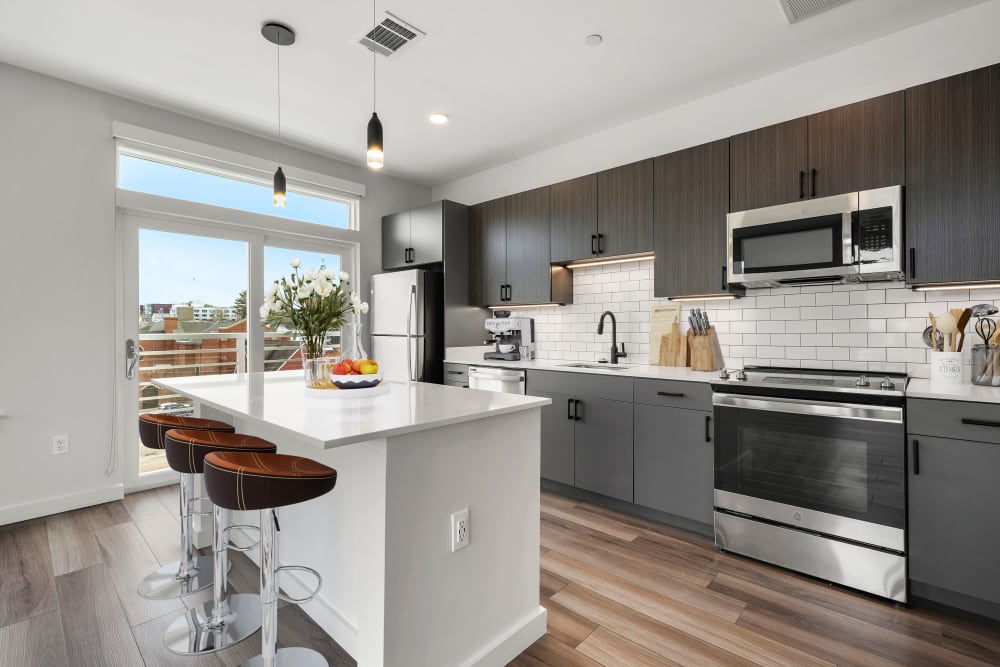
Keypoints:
pixel 351 343
pixel 317 367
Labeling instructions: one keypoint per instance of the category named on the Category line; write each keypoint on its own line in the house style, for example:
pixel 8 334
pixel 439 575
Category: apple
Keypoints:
pixel 369 368
pixel 356 364
pixel 343 368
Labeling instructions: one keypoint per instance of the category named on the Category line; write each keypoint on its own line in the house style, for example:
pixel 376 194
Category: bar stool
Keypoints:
pixel 225 619
pixel 191 573
pixel 266 482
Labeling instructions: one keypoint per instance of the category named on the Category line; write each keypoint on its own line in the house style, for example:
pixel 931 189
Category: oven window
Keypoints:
pixel 818 471
pixel 767 252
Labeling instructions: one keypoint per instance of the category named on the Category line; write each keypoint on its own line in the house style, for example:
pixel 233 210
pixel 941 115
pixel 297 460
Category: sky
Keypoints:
pixel 176 268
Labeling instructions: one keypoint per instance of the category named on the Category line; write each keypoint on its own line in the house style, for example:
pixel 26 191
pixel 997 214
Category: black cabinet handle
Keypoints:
pixel 812 179
pixel 916 457
pixel 509 297
pixel 576 409
pixel 569 408
pixel 501 292
pixel 454 372
pixel 725 285
pixel 670 394
pixel 593 244
pixel 802 185
pixel 600 244
pixel 980 422
pixel 708 428
pixel 913 263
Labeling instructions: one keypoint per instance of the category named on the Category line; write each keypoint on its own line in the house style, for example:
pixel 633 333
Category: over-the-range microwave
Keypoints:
pixel 845 238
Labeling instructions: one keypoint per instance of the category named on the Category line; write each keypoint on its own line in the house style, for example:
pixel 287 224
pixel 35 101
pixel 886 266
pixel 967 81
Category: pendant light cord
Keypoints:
pixel 374 54
pixel 278 47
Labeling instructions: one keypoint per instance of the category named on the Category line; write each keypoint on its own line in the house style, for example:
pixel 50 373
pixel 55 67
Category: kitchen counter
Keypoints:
pixel 381 540
pixel 968 392
pixel 475 356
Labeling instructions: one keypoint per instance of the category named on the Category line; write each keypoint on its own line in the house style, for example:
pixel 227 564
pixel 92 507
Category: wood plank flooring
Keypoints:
pixel 619 591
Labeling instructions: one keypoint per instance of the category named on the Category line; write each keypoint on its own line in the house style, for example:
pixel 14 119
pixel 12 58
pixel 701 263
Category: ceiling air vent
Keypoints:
pixel 797 10
pixel 390 34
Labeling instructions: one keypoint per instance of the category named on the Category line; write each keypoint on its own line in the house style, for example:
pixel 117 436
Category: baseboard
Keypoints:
pixel 57 504
pixel 511 645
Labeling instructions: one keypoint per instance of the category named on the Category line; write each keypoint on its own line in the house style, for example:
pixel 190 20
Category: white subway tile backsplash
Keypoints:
pixel 833 299
pixel 865 325
pixel 887 340
pixel 801 326
pixel 868 296
pixel 770 301
pixel 816 313
pixel 794 300
pixel 833 326
pixel 820 339
pixel 850 312
pixel 785 340
pixel 887 310
pixel 833 353
pixel 851 340
pixel 771 326
pixel 785 314
pixel 867 354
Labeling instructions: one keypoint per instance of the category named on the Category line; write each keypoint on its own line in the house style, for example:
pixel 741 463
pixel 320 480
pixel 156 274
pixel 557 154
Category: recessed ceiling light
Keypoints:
pixel 594 40
pixel 439 118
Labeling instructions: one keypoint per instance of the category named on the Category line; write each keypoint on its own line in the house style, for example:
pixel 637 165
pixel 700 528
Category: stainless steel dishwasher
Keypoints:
pixel 505 380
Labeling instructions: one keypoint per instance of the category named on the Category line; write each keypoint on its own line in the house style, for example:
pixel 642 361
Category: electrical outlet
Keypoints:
pixel 460 529
pixel 60 444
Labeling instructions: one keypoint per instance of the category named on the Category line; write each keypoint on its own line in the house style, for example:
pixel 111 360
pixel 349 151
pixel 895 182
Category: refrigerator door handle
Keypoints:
pixel 410 371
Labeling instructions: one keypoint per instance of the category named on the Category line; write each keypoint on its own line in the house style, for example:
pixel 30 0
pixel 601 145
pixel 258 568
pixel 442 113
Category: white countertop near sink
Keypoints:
pixel 971 393
pixel 474 355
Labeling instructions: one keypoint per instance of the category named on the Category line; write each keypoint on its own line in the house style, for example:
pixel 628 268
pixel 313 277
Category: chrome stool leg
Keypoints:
pixel 190 574
pixel 270 655
pixel 224 620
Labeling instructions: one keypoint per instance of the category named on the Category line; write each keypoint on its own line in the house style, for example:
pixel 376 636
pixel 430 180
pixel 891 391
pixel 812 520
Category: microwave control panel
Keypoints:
pixel 874 235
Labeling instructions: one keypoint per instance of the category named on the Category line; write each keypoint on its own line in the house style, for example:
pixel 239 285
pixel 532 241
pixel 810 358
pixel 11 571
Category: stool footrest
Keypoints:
pixel 244 526
pixel 299 568
pixel 199 500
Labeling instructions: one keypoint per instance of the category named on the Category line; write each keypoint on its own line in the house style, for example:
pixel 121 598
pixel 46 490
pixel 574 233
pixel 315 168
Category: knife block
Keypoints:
pixel 705 351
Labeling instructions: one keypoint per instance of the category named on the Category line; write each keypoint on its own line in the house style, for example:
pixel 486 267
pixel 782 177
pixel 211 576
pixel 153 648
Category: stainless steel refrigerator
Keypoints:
pixel 407 324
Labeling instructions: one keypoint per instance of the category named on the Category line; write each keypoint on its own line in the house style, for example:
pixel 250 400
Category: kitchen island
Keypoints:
pixel 394 592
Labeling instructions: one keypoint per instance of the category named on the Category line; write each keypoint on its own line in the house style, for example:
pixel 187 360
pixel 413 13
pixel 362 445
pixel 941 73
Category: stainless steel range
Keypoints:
pixel 810 473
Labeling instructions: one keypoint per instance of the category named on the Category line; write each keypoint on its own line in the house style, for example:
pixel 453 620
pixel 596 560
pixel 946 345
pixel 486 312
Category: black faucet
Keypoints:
pixel 615 353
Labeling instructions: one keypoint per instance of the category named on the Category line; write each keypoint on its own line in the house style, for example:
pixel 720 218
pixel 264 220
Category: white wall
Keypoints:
pixel 956 43
pixel 57 262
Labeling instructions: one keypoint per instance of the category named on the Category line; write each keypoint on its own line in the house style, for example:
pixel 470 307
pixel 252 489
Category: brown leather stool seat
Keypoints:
pixel 241 481
pixel 186 450
pixel 153 427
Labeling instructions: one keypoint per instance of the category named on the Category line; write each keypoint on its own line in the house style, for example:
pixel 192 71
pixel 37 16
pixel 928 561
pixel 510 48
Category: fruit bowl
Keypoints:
pixel 356 381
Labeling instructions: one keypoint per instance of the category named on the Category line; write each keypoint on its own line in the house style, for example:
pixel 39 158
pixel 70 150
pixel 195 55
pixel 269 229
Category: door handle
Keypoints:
pixel 671 394
pixel 133 354
pixel 454 372
pixel 600 244
pixel 501 292
pixel 576 409
pixel 593 244
pixel 725 285
pixel 916 457
pixel 509 297
pixel 569 408
pixel 913 263
pixel 411 371
pixel 812 179
pixel 980 422
pixel 708 428
pixel 802 185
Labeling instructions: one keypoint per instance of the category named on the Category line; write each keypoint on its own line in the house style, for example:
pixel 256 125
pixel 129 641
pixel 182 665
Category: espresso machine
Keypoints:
pixel 514 337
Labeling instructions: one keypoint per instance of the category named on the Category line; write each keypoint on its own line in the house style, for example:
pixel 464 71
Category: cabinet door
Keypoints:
pixel 952 172
pixel 691 199
pixel 528 254
pixel 768 166
pixel 574 218
pixel 625 209
pixel 395 240
pixel 674 461
pixel 603 431
pixel 490 238
pixel 426 234
pixel 954 537
pixel 557 437
pixel 856 147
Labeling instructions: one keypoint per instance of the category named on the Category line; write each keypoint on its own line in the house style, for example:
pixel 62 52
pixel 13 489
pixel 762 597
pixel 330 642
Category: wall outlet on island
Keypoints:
pixel 60 444
pixel 460 529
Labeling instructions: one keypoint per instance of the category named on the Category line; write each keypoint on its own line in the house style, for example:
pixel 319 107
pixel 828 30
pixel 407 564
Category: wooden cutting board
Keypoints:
pixel 661 323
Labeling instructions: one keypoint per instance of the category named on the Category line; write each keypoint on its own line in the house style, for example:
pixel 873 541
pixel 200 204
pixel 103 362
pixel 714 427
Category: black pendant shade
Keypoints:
pixel 375 155
pixel 279 188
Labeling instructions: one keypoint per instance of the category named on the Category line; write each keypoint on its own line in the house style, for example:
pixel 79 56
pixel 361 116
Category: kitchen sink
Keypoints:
pixel 602 367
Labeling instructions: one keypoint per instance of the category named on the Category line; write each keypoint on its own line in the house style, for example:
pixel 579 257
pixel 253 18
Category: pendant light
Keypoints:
pixel 279 35
pixel 376 157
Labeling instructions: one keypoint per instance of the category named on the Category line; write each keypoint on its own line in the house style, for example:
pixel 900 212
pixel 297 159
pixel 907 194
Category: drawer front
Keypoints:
pixel 457 384
pixel 979 422
pixel 456 374
pixel 674 394
pixel 580 384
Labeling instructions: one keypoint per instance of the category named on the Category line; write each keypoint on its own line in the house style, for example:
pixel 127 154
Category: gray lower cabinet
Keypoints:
pixel 674 461
pixel 603 451
pixel 456 375
pixel 954 536
pixel 557 438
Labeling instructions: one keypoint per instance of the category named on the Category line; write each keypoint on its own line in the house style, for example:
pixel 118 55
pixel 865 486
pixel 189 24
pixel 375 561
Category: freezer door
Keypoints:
pixel 397 299
pixel 393 361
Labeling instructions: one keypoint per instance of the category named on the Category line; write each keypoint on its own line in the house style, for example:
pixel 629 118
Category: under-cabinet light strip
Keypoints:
pixel 947 287
pixel 600 262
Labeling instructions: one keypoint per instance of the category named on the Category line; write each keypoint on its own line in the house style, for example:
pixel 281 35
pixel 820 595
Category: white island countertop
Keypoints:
pixel 278 399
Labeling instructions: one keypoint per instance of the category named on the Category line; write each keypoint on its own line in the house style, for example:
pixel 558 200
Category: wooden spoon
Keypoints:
pixel 947 324
pixel 934 331
pixel 963 321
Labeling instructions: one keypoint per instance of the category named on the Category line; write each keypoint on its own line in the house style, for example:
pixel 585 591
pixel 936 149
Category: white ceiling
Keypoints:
pixel 515 76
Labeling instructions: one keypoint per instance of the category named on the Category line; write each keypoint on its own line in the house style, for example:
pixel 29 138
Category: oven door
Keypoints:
pixel 793 243
pixel 830 468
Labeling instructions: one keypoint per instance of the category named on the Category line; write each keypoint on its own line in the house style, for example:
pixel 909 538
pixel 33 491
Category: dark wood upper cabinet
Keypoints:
pixel 768 166
pixel 953 178
pixel 489 236
pixel 857 147
pixel 691 199
pixel 427 234
pixel 528 247
pixel 625 209
pixel 574 218
pixel 395 240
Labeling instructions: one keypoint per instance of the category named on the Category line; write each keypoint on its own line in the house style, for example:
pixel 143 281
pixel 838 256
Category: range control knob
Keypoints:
pixel 862 381
pixel 888 384
pixel 740 376
pixel 724 374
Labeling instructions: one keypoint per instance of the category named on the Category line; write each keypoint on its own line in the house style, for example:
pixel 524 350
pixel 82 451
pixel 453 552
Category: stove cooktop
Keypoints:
pixel 814 379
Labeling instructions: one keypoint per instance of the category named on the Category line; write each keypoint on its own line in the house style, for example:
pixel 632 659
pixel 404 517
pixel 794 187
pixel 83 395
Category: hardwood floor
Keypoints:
pixel 618 590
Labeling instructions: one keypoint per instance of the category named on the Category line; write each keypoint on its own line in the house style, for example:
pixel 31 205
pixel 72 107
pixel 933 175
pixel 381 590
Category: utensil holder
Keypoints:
pixel 705 351
pixel 947 368
pixel 986 365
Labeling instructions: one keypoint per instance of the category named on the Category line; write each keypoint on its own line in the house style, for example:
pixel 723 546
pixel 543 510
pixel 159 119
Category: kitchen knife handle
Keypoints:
pixel 593 244
pixel 802 185
pixel 916 457
pixel 708 428
pixel 812 179
pixel 980 422
pixel 671 394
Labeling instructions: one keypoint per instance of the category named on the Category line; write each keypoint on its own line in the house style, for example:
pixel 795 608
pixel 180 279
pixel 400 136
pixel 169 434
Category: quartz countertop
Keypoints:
pixel 474 356
pixel 278 398
pixel 968 392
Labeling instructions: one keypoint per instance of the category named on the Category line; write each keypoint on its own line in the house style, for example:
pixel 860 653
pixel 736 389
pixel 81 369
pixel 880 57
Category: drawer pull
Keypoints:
pixel 671 394
pixel 454 372
pixel 980 422
pixel 708 428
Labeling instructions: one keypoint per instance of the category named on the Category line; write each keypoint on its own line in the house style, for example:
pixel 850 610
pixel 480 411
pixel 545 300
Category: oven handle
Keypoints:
pixel 874 413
